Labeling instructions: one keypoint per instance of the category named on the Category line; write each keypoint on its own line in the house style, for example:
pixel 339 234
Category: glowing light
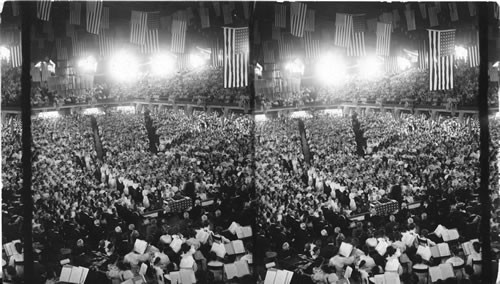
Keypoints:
pixel 88 64
pixel 300 114
pixel 460 52
pixel 260 117
pixel 124 66
pixel 162 65
pixel 4 53
pixel 92 111
pixel 295 67
pixel 496 64
pixel 403 63
pixel 371 68
pixel 126 109
pixel 196 61
pixel 49 114
pixel 331 70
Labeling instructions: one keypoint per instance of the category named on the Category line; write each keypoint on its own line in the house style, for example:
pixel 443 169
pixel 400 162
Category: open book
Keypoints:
pixel 443 272
pixel 450 235
pixel 10 248
pixel 235 247
pixel 140 246
pixel 440 250
pixel 244 232
pixel 387 278
pixel 73 274
pixel 345 249
pixel 424 252
pixel 236 269
pixel 219 249
pixel 467 246
pixel 274 276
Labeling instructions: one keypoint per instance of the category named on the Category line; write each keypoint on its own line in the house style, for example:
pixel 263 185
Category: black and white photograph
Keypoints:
pixel 268 142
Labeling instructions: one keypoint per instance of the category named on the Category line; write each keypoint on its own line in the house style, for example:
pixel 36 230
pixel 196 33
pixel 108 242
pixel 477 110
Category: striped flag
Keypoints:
pixel 268 50
pixel 61 51
pixel 433 19
pixel 383 39
pixel 138 27
pixel 43 8
pixel 280 15
pixel 16 57
pixel 105 18
pixel 441 49
pixel 391 65
pixel 205 18
pixel 106 43
pixel 216 8
pixel 297 18
pixel 227 13
pixel 75 11
pixel 423 56
pixel 152 44
pixel 236 47
pixel 410 20
pixel 472 8
pixel 423 10
pixel 356 45
pixel 94 13
pixel 310 21
pixel 276 33
pixel 312 46
pixel 453 11
pixel 473 55
pixel 285 49
pixel 79 47
pixel 216 54
pixel 343 29
pixel 182 62
pixel 179 27
pixel 15 8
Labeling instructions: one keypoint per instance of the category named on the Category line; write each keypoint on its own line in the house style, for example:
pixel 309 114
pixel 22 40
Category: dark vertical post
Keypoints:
pixel 484 194
pixel 26 196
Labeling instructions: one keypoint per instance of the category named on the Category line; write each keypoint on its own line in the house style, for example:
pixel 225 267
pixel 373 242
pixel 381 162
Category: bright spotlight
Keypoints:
pixel 92 111
pixel 371 68
pixel 49 114
pixel 88 64
pixel 162 64
pixel 260 117
pixel 295 67
pixel 196 61
pixel 331 70
pixel 403 63
pixel 124 66
pixel 4 53
pixel 460 52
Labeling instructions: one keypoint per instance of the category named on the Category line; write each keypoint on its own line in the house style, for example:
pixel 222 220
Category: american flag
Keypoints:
pixel 182 62
pixel 216 54
pixel 79 47
pixel 61 51
pixel 16 58
pixel 152 44
pixel 311 46
pixel 106 43
pixel 236 47
pixel 473 55
pixel 216 8
pixel 433 19
pixel 268 50
pixel 472 8
pixel 94 13
pixel 441 48
pixel 276 33
pixel 285 48
pixel 423 10
pixel 205 18
pixel 410 20
pixel 343 29
pixel 138 27
pixel 423 55
pixel 297 18
pixel 179 27
pixel 310 21
pixel 227 13
pixel 280 15
pixel 75 11
pixel 43 8
pixel 105 18
pixel 356 45
pixel 383 39
pixel 391 65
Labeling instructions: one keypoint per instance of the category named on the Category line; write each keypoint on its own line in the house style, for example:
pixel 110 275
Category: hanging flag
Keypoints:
pixel 75 11
pixel 106 43
pixel 285 49
pixel 43 8
pixel 311 45
pixel 343 29
pixel 182 62
pixel 105 18
pixel 453 11
pixel 433 19
pixel 152 44
pixel 310 21
pixel 493 74
pixel 423 56
pixel 236 47
pixel 472 8
pixel 61 51
pixel 383 39
pixel 356 45
pixel 387 18
pixel 16 57
pixel 205 18
pixel 94 13
pixel 410 20
pixel 473 55
pixel 396 18
pixel 179 27
pixel 391 65
pixel 280 15
pixel 297 18
pixel 423 10
pixel 216 54
pixel 138 27
pixel 276 33
pixel 228 14
pixel 216 8
pixel 246 10
pixel 441 49
pixel 15 8
pixel 268 50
